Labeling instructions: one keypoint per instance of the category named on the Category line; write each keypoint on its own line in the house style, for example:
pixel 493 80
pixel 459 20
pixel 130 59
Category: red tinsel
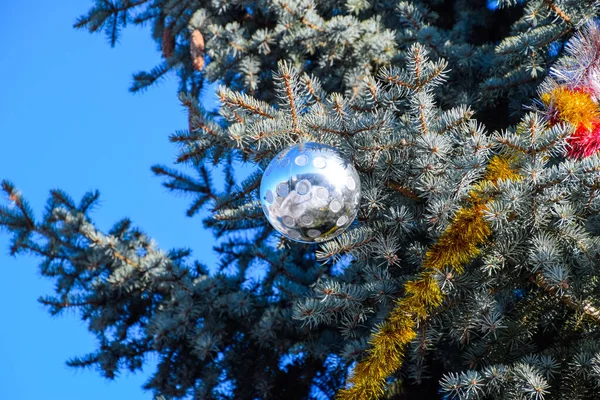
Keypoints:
pixel 585 141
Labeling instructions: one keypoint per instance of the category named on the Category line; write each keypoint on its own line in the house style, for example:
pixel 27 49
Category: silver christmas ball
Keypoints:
pixel 309 193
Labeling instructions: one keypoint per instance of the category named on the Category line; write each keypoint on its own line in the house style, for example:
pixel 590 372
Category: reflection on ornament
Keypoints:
pixel 309 193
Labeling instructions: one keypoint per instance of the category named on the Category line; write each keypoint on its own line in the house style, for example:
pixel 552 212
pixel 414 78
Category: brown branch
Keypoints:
pixel 312 91
pixel 422 121
pixel 238 102
pixel 338 109
pixel 373 90
pixel 409 17
pixel 238 196
pixel 418 60
pixel 458 122
pixel 558 11
pixel 288 90
pixel 513 146
pixel 302 19
pixel 584 307
pixel 199 125
pixel 115 252
pixel 405 191
pixel 264 135
pixel 188 155
pixel 396 79
pixel 437 73
pixel 321 255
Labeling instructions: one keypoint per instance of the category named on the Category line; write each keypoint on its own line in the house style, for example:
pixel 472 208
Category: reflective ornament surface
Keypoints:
pixel 309 193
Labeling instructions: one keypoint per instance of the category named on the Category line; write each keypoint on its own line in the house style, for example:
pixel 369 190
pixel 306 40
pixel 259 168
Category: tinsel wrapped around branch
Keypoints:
pixel 569 96
pixel 458 245
pixel 572 91
pixel 472 267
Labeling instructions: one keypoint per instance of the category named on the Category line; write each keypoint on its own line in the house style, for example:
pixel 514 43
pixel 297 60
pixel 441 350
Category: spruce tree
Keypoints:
pixel 472 270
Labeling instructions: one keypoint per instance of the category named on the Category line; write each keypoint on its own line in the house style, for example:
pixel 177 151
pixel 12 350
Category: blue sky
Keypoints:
pixel 68 121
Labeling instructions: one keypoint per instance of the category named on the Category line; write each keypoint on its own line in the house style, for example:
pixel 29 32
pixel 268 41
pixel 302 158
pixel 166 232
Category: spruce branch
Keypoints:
pixel 584 307
pixel 457 246
pixel 301 18
pixel 241 101
pixel 109 16
pixel 551 4
pixel 405 191
pixel 288 77
pixel 451 225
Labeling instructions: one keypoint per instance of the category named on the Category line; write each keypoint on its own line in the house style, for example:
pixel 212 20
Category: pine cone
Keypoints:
pixel 197 50
pixel 168 42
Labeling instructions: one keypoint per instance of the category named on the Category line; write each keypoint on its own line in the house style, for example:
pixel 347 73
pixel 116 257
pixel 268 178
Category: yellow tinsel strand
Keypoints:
pixel 575 106
pixel 457 245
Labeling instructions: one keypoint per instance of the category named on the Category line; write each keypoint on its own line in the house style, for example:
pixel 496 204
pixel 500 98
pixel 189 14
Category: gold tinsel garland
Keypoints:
pixel 457 245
